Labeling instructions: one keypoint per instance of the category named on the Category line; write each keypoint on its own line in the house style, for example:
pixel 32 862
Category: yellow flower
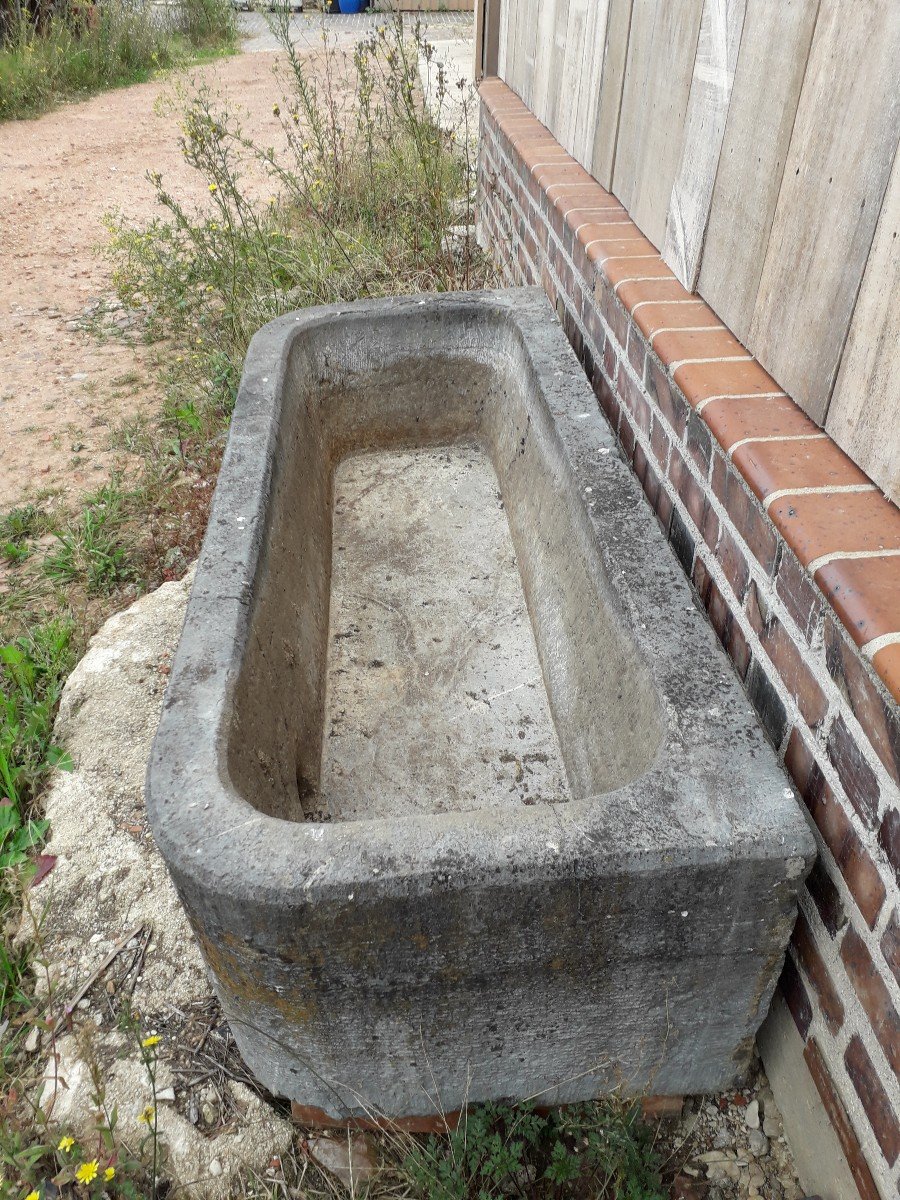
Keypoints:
pixel 33 1196
pixel 66 1144
pixel 108 1173
pixel 276 110
pixel 213 187
pixel 147 1115
pixel 150 1041
pixel 87 1171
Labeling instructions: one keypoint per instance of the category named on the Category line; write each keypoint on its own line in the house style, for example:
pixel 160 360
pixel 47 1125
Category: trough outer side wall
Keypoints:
pixel 835 729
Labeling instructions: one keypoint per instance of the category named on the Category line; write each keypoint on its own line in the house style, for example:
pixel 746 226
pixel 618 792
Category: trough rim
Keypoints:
pixel 212 837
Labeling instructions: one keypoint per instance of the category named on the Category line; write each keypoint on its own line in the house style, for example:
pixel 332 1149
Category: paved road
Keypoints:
pixel 346 31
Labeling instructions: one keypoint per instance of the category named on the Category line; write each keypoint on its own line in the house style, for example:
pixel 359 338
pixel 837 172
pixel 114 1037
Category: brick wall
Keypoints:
pixel 676 387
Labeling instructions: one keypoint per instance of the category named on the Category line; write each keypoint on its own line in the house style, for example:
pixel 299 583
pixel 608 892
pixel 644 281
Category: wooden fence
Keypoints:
pixel 756 143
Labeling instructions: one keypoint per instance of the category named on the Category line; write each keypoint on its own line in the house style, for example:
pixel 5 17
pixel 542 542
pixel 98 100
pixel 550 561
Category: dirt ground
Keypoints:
pixel 63 391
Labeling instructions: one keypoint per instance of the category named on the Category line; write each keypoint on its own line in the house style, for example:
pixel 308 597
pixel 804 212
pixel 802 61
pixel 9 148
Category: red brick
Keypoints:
pixel 626 438
pixel 702 581
pixel 799 595
pixel 745 513
pixel 733 562
pixel 856 776
pixel 796 997
pixel 687 487
pixel 840 1122
pixel 659 444
pixel 877 713
pixel 890 945
pixel 699 443
pixel 637 351
pixel 817 973
pixel 611 362
pixel 873 1098
pixel 670 402
pixel 727 629
pixel 788 661
pixel 873 995
pixel 853 860
pixel 826 898
pixel 889 839
pixel 664 510
pixel 635 401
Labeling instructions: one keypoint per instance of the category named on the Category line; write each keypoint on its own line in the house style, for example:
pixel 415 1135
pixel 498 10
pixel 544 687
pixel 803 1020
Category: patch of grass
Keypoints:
pixel 18 529
pixel 82 48
pixel 598 1151
pixel 94 549
pixel 361 203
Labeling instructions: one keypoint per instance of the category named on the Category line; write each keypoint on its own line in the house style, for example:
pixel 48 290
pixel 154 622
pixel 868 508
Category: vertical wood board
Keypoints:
pixel 609 99
pixel 590 84
pixel 717 51
pixel 839 158
pixel 769 74
pixel 660 65
pixel 864 415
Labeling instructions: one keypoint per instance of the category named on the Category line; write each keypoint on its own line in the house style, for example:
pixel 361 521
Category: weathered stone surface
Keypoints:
pixel 109 880
pixel 628 936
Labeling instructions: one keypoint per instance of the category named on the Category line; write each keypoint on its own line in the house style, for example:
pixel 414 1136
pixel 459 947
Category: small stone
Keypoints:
pixel 772 1127
pixel 349 1160
pixel 208 1113
pixel 215 1167
pixel 721 1140
pixel 759 1143
pixel 95 937
pixel 33 1040
pixel 751 1116
pixel 166 1095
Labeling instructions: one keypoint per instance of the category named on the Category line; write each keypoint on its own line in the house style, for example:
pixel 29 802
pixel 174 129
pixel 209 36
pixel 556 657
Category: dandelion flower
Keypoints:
pixel 66 1144
pixel 87 1171
pixel 147 1115
pixel 33 1196
pixel 213 187
pixel 150 1041
pixel 108 1173
pixel 276 110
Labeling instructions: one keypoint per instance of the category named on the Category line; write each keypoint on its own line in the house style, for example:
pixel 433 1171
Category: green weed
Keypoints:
pixel 598 1151
pixel 83 48
pixel 94 548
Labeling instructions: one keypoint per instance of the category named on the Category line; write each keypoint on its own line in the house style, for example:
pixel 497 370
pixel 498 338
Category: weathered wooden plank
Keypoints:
pixel 557 63
pixel 717 51
pixel 661 51
pixel 543 61
pixel 609 100
pixel 770 69
pixel 589 84
pixel 572 68
pixel 502 64
pixel 839 159
pixel 864 415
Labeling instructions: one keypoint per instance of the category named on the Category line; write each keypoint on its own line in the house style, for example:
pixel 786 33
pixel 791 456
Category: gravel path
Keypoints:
pixel 61 390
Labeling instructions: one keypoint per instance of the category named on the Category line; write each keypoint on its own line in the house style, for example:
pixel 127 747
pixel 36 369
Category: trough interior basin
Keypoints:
pixel 434 630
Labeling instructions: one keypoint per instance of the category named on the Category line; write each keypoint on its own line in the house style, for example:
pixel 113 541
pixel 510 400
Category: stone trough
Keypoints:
pixel 459 792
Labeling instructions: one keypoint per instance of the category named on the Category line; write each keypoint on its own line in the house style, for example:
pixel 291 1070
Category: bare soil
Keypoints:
pixel 63 391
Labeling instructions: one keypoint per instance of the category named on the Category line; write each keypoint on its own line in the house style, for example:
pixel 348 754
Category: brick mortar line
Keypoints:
pixel 829 950
pixel 833 1060
pixel 856 1020
pixel 810 653
pixel 836 704
pixel 831 958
